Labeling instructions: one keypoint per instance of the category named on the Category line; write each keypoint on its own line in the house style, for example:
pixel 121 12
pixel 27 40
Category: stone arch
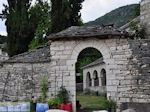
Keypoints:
pixel 88 80
pixel 99 45
pixel 103 77
pixel 95 77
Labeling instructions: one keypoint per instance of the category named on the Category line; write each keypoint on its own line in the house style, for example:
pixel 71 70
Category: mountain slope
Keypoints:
pixel 118 17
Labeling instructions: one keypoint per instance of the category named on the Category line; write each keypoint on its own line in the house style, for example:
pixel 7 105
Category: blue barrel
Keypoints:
pixel 3 108
pixel 41 107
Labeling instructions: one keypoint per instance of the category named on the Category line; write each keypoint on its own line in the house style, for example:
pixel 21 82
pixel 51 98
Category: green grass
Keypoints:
pixel 93 102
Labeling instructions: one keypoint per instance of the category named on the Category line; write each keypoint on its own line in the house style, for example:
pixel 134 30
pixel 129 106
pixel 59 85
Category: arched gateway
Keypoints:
pixel 126 66
pixel 67 45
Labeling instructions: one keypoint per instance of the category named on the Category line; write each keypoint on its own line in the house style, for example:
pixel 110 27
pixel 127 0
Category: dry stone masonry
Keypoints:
pixel 134 85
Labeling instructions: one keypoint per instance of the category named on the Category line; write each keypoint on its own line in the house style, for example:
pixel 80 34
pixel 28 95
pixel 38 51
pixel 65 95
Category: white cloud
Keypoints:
pixel 93 9
pixel 2 28
pixel 4 33
pixel 1 4
pixel 2 23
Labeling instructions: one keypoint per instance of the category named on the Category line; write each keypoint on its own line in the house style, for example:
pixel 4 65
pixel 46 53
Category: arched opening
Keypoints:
pixel 85 57
pixel 88 80
pixel 103 77
pixel 96 80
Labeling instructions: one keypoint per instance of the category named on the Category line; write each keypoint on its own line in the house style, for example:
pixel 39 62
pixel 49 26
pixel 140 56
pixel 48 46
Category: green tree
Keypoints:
pixel 65 13
pixel 75 12
pixel 40 21
pixel 26 24
pixel 17 23
pixel 56 16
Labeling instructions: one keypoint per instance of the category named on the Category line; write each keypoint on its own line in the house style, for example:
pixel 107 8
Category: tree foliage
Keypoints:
pixel 25 23
pixel 28 24
pixel 40 21
pixel 75 18
pixel 65 13
pixel 17 23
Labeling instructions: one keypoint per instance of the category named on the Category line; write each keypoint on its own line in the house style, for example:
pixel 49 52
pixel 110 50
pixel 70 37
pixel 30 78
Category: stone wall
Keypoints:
pixel 145 16
pixel 21 81
pixel 134 84
pixel 127 65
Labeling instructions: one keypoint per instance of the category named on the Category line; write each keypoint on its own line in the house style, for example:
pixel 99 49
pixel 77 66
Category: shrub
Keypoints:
pixel 54 103
pixel 63 95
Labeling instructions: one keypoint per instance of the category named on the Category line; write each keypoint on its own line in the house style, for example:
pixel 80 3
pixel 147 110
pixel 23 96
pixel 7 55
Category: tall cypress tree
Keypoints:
pixel 56 16
pixel 17 23
pixel 65 13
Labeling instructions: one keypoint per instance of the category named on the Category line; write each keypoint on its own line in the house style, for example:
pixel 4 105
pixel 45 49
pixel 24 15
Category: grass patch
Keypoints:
pixel 93 102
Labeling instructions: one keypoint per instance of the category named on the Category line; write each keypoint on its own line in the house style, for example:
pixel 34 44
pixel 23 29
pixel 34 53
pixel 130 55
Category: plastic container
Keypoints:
pixel 3 108
pixel 67 107
pixel 41 107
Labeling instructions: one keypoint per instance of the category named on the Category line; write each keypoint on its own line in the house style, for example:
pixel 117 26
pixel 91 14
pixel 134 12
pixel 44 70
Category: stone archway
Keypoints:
pixel 100 45
pixel 64 57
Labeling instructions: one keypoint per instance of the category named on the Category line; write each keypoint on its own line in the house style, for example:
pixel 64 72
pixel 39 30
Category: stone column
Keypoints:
pixel 92 82
pixel 100 81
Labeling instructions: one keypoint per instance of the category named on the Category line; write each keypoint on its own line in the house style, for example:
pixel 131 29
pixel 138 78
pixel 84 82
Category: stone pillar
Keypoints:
pixel 100 81
pixel 92 82
pixel 84 81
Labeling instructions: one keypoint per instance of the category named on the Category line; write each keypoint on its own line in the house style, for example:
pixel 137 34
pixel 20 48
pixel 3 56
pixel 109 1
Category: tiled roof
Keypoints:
pixel 88 31
pixel 98 61
pixel 41 54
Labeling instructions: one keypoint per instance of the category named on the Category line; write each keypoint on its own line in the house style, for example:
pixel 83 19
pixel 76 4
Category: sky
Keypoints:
pixel 91 10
